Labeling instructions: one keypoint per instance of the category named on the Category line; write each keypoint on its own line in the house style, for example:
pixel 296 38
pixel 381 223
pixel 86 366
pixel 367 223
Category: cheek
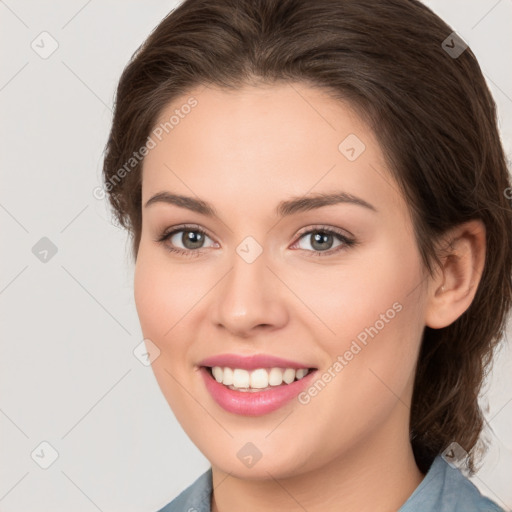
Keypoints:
pixel 366 291
pixel 148 291
pixel 161 308
pixel 381 336
pixel 163 294
pixel 374 308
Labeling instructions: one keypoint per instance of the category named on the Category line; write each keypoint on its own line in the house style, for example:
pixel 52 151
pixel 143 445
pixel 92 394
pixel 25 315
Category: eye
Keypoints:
pixel 191 238
pixel 321 239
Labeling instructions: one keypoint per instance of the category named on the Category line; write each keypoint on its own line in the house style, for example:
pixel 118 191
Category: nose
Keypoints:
pixel 250 298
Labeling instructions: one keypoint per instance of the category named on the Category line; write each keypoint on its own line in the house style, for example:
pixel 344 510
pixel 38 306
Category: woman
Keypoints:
pixel 316 197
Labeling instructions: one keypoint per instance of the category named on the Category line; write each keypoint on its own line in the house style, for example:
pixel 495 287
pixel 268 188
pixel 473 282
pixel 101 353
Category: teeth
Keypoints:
pixel 275 377
pixel 301 373
pixel 241 378
pixel 227 376
pixel 262 378
pixel 217 373
pixel 289 375
pixel 259 379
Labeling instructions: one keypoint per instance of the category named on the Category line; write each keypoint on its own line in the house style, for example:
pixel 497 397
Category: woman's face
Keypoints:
pixel 335 285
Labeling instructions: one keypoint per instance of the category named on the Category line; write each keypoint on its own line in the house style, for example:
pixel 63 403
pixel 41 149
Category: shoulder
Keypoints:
pixel 195 498
pixel 466 496
pixel 446 488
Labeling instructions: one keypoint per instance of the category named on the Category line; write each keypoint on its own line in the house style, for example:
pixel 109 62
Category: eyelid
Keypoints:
pixel 303 231
pixel 324 227
pixel 182 227
pixel 347 239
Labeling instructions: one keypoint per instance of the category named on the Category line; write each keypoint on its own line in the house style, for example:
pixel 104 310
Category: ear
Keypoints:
pixel 450 293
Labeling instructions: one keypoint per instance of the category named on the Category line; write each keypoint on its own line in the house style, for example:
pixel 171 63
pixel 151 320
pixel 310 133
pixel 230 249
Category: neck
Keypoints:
pixel 376 475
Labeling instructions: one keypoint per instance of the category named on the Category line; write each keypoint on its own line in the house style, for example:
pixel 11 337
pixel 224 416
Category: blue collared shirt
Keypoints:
pixel 444 489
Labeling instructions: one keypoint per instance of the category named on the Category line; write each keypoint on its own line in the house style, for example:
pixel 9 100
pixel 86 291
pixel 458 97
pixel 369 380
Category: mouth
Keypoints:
pixel 257 391
pixel 257 380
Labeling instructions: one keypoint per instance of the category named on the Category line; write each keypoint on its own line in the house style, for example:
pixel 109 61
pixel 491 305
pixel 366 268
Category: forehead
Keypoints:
pixel 267 141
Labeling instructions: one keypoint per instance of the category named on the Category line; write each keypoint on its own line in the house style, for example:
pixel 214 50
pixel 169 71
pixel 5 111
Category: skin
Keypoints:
pixel 243 152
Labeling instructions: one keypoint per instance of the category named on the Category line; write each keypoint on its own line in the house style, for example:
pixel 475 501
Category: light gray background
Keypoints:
pixel 69 326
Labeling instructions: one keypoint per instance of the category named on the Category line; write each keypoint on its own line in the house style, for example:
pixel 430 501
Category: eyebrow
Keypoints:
pixel 283 209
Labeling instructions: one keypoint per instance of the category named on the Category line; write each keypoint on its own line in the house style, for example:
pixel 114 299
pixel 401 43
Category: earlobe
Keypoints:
pixel 453 289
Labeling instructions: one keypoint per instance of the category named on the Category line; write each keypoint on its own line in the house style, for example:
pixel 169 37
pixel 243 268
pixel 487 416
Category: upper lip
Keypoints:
pixel 251 362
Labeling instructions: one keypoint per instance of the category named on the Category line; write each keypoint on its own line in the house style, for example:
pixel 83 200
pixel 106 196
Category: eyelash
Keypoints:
pixel 191 253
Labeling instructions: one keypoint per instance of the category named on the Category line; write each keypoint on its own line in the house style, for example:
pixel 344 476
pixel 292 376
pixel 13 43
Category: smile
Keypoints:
pixel 253 385
pixel 256 380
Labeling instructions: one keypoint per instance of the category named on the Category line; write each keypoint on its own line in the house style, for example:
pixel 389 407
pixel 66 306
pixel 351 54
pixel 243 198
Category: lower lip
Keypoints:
pixel 247 403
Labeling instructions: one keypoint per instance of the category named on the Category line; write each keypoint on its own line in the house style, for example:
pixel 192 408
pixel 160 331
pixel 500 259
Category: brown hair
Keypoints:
pixel 430 110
